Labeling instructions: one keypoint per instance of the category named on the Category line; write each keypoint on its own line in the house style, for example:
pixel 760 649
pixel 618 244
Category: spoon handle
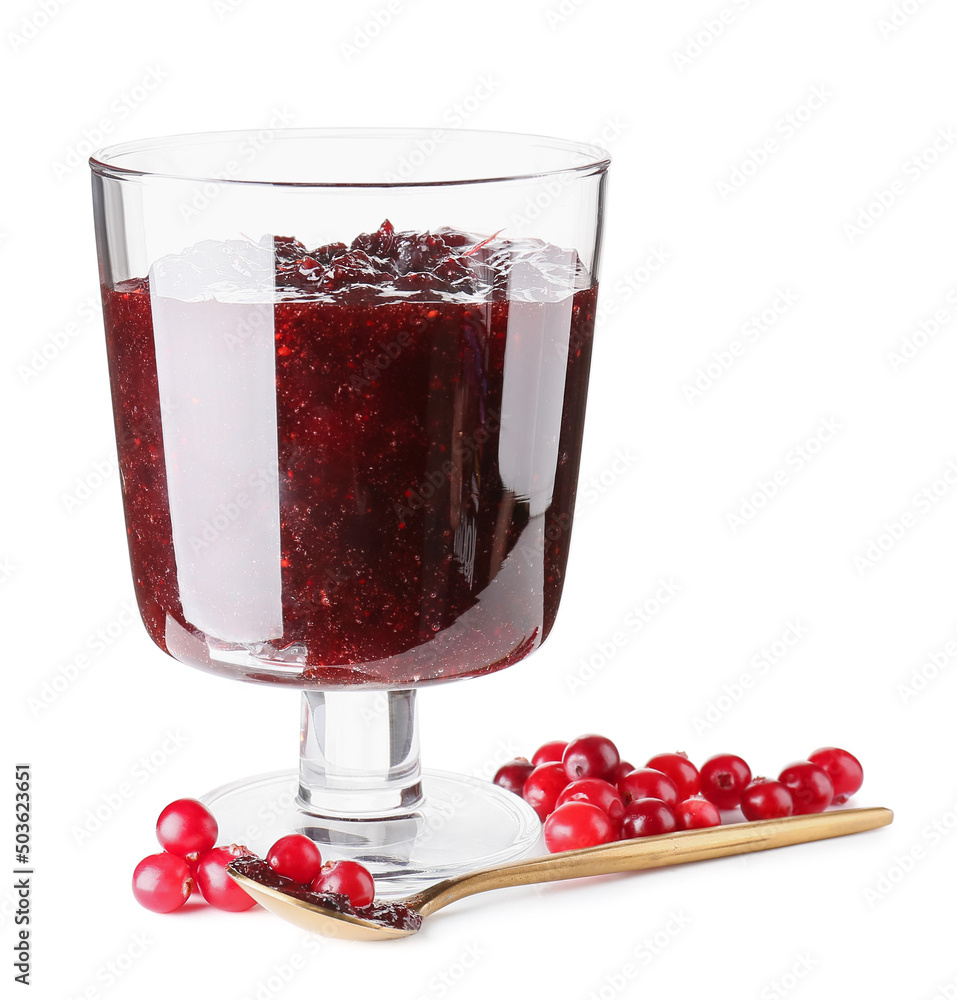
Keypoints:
pixel 654 852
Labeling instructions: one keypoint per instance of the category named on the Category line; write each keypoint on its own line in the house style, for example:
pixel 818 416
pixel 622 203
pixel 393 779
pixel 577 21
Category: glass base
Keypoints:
pixel 463 824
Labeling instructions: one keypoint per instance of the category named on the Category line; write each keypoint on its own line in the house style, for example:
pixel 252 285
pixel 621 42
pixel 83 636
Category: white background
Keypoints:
pixel 666 471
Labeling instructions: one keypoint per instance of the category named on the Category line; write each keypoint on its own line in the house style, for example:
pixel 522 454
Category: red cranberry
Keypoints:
pixel 647 783
pixel 591 757
pixel 623 768
pixel 186 826
pixel 766 799
pixel 844 770
pixel 162 883
pixel 295 857
pixel 512 775
pixel 217 887
pixel 647 818
pixel 809 785
pixel 548 752
pixel 348 878
pixel 543 786
pixel 578 824
pixel 598 793
pixel 696 814
pixel 723 779
pixel 681 771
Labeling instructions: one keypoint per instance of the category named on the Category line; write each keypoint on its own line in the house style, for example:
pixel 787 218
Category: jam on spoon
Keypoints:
pixel 394 915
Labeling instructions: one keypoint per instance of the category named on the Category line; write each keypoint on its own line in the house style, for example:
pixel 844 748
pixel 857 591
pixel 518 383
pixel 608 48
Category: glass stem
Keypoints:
pixel 359 754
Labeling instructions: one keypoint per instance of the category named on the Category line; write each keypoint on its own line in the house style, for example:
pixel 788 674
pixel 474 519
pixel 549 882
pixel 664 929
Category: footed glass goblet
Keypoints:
pixel 349 372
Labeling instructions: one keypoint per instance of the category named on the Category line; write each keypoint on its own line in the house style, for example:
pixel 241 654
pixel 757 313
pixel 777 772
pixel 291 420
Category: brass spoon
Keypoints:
pixel 623 856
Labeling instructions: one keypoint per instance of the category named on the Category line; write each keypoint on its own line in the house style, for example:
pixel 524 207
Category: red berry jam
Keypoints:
pixel 389 914
pixel 419 399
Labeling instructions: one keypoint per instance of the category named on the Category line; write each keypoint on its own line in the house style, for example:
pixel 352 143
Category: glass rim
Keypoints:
pixel 104 162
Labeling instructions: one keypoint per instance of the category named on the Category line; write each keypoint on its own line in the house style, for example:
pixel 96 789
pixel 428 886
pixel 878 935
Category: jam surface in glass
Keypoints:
pixel 422 399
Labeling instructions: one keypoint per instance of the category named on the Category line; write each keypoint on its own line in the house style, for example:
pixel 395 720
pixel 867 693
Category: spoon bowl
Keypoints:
pixel 315 918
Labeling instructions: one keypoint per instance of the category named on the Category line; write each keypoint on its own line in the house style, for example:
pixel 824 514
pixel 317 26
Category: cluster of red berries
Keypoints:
pixel 586 795
pixel 187 831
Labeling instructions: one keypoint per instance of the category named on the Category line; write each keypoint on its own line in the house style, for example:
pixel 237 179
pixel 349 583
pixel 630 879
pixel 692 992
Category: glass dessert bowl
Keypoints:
pixel 349 413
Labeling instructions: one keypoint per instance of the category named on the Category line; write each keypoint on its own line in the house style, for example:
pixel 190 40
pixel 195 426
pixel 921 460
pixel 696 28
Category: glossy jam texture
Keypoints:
pixel 395 915
pixel 429 397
